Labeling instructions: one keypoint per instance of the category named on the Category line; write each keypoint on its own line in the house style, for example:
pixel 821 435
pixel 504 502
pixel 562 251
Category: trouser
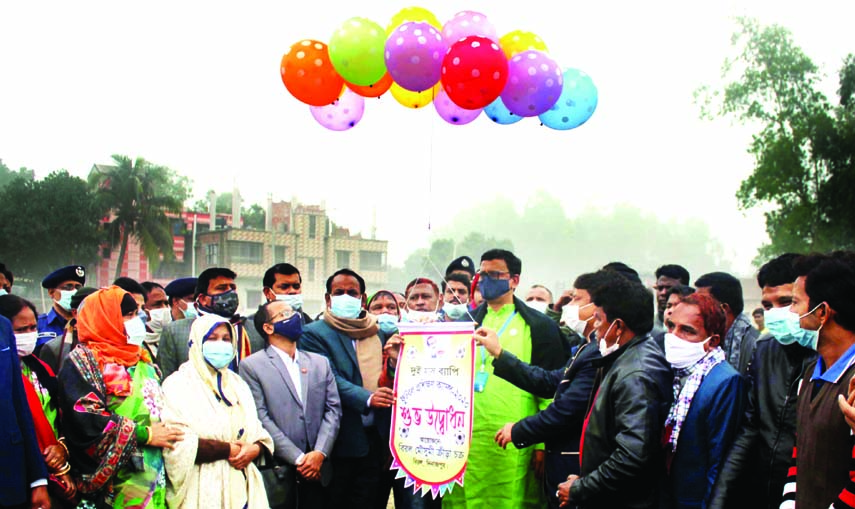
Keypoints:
pixel 357 481
pixel 404 497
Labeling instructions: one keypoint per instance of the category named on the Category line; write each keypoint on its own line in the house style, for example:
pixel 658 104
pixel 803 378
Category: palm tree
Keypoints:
pixel 138 195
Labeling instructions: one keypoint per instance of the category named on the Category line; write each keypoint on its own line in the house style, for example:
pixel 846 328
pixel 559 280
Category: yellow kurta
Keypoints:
pixel 499 478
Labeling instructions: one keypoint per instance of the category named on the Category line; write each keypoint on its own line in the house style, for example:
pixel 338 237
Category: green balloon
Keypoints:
pixel 356 51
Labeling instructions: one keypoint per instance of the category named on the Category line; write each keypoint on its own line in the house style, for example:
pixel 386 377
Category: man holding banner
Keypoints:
pixel 531 336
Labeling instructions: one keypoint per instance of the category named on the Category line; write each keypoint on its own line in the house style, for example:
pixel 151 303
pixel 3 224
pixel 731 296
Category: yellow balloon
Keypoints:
pixel 412 99
pixel 519 41
pixel 408 14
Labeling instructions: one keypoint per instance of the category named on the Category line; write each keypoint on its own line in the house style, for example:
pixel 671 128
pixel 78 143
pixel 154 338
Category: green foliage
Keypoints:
pixel 138 195
pixel 803 143
pixel 254 217
pixel 7 175
pixel 48 223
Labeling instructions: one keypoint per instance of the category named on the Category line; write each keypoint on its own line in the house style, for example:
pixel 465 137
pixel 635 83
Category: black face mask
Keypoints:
pixel 223 304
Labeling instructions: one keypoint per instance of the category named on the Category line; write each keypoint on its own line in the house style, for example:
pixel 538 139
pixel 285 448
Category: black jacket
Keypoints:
pixel 622 459
pixel 549 347
pixel 755 470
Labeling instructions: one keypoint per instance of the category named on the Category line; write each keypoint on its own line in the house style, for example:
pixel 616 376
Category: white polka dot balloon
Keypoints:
pixel 466 24
pixel 414 53
pixel 534 83
pixel 452 113
pixel 342 114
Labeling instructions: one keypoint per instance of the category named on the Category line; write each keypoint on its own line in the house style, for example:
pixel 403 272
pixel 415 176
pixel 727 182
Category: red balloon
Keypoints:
pixel 375 90
pixel 474 72
pixel 309 75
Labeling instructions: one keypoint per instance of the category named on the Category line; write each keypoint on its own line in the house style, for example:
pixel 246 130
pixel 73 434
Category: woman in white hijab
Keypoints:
pixel 212 467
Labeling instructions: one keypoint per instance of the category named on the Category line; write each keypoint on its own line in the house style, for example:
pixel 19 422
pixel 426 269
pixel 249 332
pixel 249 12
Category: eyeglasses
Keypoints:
pixel 70 287
pixel 495 274
pixel 284 314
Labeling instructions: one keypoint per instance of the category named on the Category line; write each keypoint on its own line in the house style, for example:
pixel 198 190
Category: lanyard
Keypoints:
pixel 501 331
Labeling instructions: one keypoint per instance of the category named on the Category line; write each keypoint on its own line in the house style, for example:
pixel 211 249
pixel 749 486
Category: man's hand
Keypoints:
pixel 848 406
pixel 563 300
pixel 247 453
pixel 564 490
pixel 382 398
pixel 55 457
pixel 392 348
pixel 489 340
pixel 39 498
pixel 503 436
pixel 310 468
pixel 163 436
pixel 538 463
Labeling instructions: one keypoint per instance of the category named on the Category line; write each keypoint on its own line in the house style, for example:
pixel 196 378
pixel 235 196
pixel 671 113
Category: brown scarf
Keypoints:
pixel 369 350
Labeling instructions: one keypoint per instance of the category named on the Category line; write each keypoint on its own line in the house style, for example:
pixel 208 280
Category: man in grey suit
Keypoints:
pixel 303 417
pixel 216 293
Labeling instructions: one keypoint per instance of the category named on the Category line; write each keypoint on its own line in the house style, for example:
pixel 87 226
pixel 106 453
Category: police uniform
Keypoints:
pixel 52 324
pixel 463 263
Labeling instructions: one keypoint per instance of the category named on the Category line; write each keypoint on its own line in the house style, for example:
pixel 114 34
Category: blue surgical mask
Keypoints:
pixel 783 324
pixel 190 311
pixel 455 311
pixel 388 323
pixel 290 328
pixel 491 289
pixel 218 353
pixel 294 300
pixel 345 306
pixel 3 292
pixel 65 299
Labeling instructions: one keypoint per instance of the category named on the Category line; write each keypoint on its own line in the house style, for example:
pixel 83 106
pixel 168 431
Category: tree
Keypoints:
pixel 774 85
pixel 138 195
pixel 46 224
pixel 254 217
pixel 7 175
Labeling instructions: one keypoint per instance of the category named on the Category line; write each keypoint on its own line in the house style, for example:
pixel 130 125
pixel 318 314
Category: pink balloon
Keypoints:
pixel 452 113
pixel 344 113
pixel 534 84
pixel 414 53
pixel 468 23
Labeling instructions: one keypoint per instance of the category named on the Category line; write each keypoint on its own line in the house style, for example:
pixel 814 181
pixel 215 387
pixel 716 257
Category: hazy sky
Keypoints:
pixel 196 86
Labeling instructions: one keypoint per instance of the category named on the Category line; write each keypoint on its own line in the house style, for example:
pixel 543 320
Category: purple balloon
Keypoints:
pixel 452 113
pixel 414 53
pixel 344 113
pixel 467 23
pixel 534 84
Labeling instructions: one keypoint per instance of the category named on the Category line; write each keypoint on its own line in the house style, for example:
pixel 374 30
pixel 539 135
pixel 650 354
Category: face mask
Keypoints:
pixel 65 299
pixel 218 353
pixel 388 323
pixel 492 289
pixel 345 306
pixel 810 338
pixel 537 305
pixel 159 318
pixel 293 300
pixel 135 329
pixel 570 317
pixel 454 311
pixel 190 311
pixel 683 354
pixel 26 342
pixel 783 324
pixel 290 328
pixel 224 304
pixel 605 349
pixel 3 292
pixel 421 316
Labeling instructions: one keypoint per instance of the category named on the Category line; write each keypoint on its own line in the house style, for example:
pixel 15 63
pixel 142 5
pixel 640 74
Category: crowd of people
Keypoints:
pixel 610 396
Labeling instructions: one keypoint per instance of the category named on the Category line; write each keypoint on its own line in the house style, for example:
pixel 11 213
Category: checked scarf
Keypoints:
pixel 683 398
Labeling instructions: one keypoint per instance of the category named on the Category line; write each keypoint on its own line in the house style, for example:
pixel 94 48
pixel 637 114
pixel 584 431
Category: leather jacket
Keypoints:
pixel 622 458
pixel 755 470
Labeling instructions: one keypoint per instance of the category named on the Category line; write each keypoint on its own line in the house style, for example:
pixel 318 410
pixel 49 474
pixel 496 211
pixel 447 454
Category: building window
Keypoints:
pixel 278 254
pixel 371 260
pixel 342 259
pixel 212 254
pixel 311 270
pixel 245 252
pixel 313 227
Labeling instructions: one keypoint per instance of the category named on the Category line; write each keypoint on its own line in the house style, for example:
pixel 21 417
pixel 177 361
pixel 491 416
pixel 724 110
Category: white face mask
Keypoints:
pixel 604 348
pixel 294 300
pixel 159 318
pixel 681 353
pixel 570 317
pixel 539 305
pixel 135 329
pixel 26 342
pixel 421 316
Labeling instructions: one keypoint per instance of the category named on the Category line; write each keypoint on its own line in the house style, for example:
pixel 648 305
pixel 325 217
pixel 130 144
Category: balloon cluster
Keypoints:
pixel 462 67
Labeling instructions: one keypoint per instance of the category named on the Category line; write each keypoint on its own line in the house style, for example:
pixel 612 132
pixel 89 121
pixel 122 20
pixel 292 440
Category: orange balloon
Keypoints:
pixel 375 90
pixel 309 75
